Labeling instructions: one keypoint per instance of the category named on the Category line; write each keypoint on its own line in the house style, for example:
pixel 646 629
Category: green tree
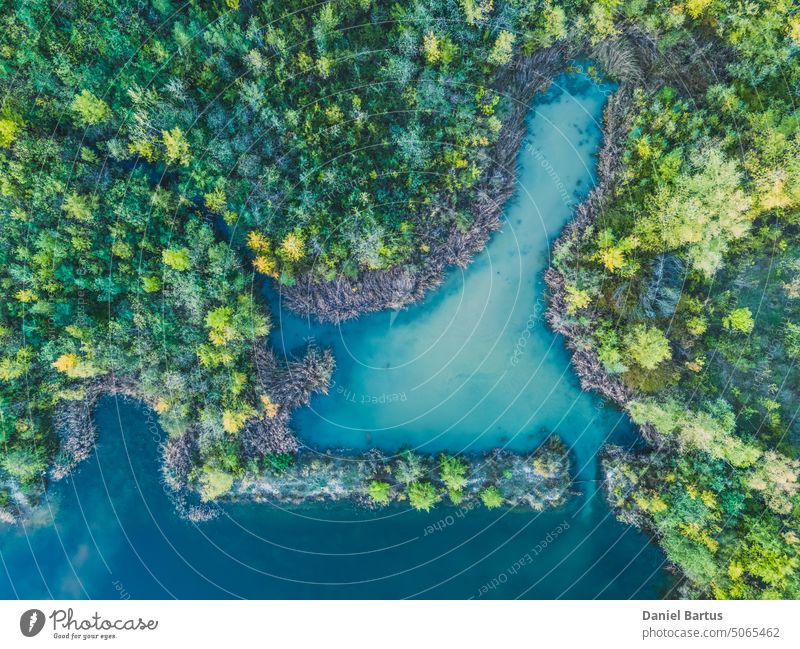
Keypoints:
pixel 89 110
pixel 422 495
pixel 177 259
pixel 706 209
pixel 791 340
pixel 740 320
pixel 491 497
pixel 453 472
pixel 647 346
pixel 25 463
pixel 503 48
pixel 176 147
pixel 380 492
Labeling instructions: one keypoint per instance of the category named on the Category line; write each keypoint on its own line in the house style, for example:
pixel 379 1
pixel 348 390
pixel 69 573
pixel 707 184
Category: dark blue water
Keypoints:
pixel 471 368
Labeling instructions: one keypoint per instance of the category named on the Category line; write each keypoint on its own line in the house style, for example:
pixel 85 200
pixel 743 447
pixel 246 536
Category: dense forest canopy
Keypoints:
pixel 160 159
pixel 156 158
pixel 338 132
pixel 684 288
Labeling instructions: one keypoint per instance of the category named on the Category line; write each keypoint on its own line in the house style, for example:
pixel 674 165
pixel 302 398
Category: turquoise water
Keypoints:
pixel 473 367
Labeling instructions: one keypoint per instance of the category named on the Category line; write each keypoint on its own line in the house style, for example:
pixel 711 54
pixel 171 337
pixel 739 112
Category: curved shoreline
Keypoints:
pixel 585 362
pixel 396 288
pixel 642 68
pixel 339 300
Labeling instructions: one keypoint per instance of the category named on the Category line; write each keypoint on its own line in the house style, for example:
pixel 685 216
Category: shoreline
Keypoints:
pixel 540 479
pixel 334 302
pixel 585 362
pixel 399 287
pixel 640 68
pixel 630 57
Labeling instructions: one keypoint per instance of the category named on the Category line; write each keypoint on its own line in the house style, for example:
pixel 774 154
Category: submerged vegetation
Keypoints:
pixel 160 160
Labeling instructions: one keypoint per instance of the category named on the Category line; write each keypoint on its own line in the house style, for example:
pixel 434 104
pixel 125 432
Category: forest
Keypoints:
pixel 160 161
pixel 678 289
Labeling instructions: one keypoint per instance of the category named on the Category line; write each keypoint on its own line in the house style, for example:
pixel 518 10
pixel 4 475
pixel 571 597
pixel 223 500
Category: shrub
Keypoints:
pixel 214 483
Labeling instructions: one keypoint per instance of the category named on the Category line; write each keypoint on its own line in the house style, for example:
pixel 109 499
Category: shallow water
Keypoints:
pixel 473 367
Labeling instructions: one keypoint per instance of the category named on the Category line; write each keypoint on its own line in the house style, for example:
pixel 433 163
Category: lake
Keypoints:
pixel 471 368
